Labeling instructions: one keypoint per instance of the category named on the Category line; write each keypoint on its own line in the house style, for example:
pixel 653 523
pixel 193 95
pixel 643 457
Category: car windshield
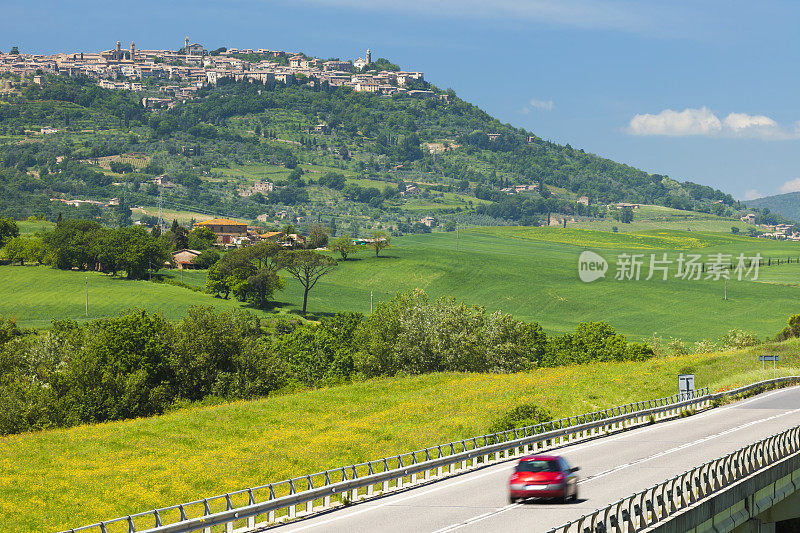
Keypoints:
pixel 537 466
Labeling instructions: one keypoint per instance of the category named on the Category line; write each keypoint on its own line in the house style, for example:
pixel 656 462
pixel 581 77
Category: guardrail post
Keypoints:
pixel 228 507
pixel 326 501
pixel 271 514
pixel 310 503
pixel 206 512
pixel 251 500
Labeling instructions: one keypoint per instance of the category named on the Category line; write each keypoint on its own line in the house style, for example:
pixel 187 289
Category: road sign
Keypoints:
pixel 773 358
pixel 686 385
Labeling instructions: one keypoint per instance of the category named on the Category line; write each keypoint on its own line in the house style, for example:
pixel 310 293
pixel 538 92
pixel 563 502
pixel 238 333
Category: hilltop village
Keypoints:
pixel 179 74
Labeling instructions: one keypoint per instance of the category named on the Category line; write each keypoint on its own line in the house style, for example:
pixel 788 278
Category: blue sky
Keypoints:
pixel 705 91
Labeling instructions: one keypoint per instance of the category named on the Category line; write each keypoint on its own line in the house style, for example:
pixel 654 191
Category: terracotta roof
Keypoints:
pixel 220 221
pixel 269 234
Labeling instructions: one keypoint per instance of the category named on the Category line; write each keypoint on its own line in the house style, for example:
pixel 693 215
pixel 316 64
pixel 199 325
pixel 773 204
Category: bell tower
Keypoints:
pixel 186 45
pixel 368 56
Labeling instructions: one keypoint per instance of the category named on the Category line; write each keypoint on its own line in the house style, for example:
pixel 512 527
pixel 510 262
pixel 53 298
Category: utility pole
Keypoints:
pixel 87 295
pixel 456 237
pixel 726 290
pixel 370 302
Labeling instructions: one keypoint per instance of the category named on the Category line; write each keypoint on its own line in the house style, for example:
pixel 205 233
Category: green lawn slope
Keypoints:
pixel 526 271
pixel 59 479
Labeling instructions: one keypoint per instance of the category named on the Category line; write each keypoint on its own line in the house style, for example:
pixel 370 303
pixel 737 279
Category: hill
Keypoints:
pixel 212 148
pixel 94 472
pixel 787 204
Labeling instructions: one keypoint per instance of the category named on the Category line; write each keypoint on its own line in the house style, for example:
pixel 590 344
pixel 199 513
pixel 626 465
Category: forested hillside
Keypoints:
pixel 356 166
pixel 787 205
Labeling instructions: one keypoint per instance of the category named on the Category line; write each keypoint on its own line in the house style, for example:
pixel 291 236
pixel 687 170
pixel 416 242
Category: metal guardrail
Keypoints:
pixel 279 501
pixel 657 504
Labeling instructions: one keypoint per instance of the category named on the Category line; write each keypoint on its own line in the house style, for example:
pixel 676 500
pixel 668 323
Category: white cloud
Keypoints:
pixel 541 105
pixel 743 121
pixel 791 186
pixel 752 194
pixel 676 123
pixel 704 122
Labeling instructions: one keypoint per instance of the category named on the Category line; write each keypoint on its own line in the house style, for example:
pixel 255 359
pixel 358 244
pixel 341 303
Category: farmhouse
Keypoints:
pixel 183 258
pixel 226 230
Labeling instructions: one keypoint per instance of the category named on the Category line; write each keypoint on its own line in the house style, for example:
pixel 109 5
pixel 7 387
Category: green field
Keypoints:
pixel 532 273
pixel 30 227
pixel 527 271
pixel 53 480
pixel 34 295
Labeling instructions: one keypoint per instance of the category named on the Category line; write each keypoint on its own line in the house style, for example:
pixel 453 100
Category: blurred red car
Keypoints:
pixel 543 476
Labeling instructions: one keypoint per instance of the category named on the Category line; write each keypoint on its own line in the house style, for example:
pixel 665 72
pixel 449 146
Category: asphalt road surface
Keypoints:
pixel 611 468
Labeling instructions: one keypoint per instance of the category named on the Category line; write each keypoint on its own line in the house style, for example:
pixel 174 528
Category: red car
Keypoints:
pixel 543 476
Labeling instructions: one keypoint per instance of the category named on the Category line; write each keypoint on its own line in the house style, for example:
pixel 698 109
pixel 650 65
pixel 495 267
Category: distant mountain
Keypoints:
pixel 787 204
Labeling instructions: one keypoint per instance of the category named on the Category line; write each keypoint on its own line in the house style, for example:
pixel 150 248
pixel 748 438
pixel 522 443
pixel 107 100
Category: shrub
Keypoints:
pixel 705 346
pixel 523 415
pixel 736 338
pixel 791 330
pixel 678 347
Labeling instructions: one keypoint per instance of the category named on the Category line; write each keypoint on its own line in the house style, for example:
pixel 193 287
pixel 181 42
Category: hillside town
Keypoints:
pixel 179 74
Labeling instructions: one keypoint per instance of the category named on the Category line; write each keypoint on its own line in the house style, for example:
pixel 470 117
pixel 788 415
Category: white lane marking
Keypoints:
pixel 503 466
pixel 396 500
pixel 501 510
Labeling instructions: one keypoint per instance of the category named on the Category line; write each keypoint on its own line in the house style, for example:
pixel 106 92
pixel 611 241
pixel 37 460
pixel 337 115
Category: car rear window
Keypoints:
pixel 537 466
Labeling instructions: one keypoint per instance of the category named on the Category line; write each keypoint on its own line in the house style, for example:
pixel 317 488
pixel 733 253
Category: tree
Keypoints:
pixel 333 180
pixel 14 250
pixel 318 237
pixel 206 259
pixel 73 244
pixel 379 241
pixel 156 231
pixel 344 246
pixel 263 281
pixel 307 267
pixel 626 215
pixel 179 236
pixel 409 149
pixel 201 238
pixel 8 230
pixel 251 274
pixel 141 252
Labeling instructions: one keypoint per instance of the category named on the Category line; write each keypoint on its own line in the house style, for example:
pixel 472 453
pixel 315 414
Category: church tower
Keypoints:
pixel 368 56
pixel 133 51
pixel 186 46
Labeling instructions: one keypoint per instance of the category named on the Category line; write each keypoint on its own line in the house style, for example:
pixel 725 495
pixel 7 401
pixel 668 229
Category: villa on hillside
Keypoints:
pixel 227 231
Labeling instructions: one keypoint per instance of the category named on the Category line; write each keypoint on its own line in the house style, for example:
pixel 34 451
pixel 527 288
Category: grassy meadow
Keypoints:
pixel 529 272
pixel 35 295
pixel 56 479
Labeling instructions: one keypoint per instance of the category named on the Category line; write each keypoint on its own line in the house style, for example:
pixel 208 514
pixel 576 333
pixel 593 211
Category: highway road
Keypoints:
pixel 611 468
